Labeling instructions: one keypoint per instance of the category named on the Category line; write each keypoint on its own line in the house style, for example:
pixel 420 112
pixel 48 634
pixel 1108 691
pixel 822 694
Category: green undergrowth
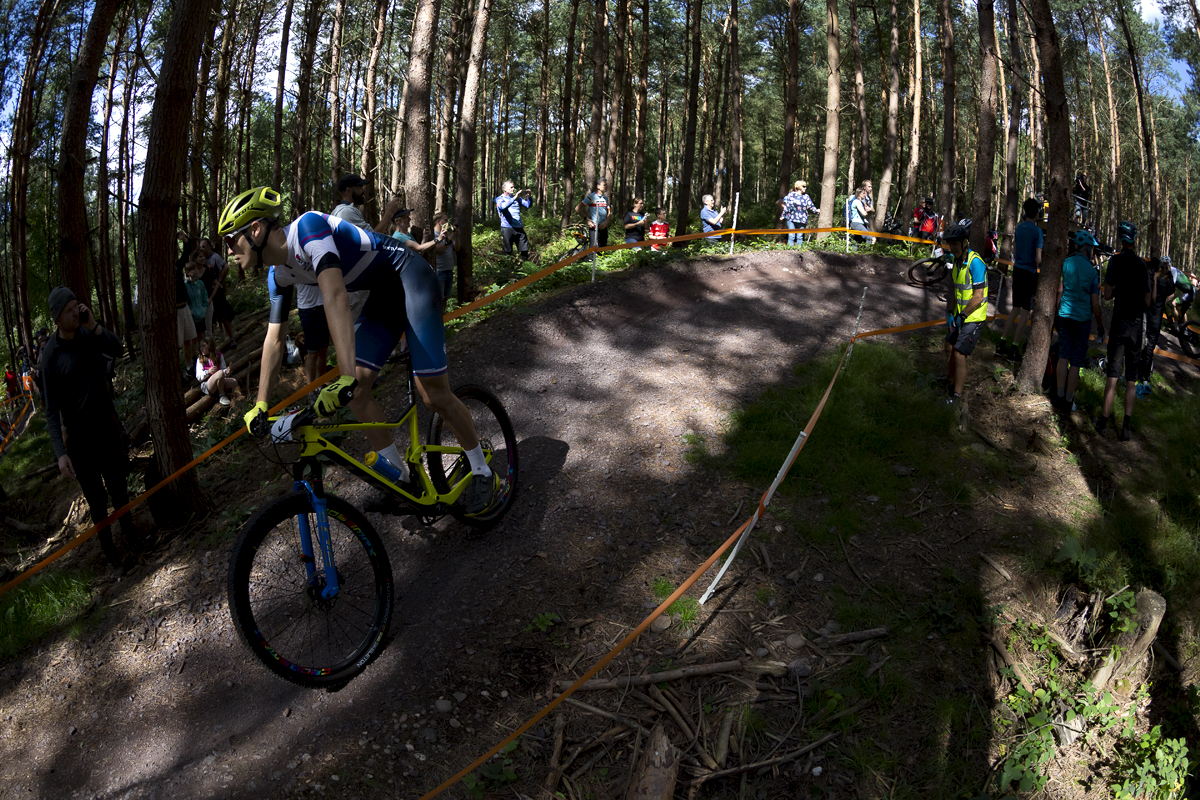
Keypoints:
pixel 45 603
pixel 28 452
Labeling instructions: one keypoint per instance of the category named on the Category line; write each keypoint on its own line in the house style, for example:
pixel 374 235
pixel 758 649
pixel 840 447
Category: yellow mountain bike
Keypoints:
pixel 310 584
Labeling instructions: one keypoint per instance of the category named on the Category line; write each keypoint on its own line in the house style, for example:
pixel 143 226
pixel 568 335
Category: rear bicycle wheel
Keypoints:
pixel 927 271
pixel 499 445
pixel 279 611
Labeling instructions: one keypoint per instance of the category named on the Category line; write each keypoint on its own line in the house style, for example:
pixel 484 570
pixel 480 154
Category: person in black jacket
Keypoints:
pixel 74 367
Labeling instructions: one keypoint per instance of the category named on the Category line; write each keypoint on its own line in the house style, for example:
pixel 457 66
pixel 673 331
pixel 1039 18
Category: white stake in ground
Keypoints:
pixel 736 197
pixel 783 470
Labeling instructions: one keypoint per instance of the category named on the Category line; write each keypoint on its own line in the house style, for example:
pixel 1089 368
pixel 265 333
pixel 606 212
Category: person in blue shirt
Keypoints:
pixel 1028 241
pixel 338 257
pixel 594 208
pixel 1079 304
pixel 710 220
pixel 508 206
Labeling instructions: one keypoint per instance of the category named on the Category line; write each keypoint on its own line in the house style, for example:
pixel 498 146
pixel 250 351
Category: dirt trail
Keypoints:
pixel 602 382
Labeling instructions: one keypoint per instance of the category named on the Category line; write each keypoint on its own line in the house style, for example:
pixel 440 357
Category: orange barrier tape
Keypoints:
pixel 629 639
pixel 12 431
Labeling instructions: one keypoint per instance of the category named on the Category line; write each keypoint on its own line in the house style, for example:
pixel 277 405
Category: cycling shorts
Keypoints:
pixel 1024 287
pixel 407 301
pixel 965 338
pixel 1073 340
pixel 1124 346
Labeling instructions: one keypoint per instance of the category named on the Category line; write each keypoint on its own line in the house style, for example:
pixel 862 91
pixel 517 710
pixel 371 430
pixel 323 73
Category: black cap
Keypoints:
pixel 59 297
pixel 350 179
pixel 401 212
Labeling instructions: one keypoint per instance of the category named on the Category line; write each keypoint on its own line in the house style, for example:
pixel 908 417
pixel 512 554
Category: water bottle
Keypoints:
pixel 386 468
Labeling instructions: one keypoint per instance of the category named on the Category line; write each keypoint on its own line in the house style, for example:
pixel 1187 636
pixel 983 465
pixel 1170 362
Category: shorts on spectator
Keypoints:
pixel 1124 345
pixel 200 326
pixel 445 279
pixel 965 338
pixel 316 328
pixel 1073 340
pixel 510 235
pixel 185 326
pixel 1024 287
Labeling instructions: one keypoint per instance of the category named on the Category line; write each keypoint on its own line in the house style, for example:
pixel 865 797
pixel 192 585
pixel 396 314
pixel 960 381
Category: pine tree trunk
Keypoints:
pixel 986 146
pixel 735 170
pixel 948 94
pixel 304 80
pixel 195 190
pixel 112 318
pixel 449 103
pixel 335 93
pixel 219 111
pixel 792 102
pixel 464 172
pixel 567 135
pixel 1037 114
pixel 1149 156
pixel 277 155
pixel 367 162
pixel 893 119
pixel 833 99
pixel 860 97
pixel 73 232
pixel 417 188
pixel 1058 131
pixel 1113 200
pixel 639 178
pixel 543 143
pixel 1012 196
pixel 22 149
pixel 914 139
pixel 592 152
pixel 689 141
pixel 166 165
pixel 124 183
pixel 664 152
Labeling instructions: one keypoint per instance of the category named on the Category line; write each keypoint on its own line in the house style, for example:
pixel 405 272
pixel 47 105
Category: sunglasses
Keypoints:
pixel 231 238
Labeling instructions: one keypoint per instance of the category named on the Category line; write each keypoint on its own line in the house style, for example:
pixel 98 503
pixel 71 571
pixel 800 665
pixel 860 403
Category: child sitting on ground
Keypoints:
pixel 212 372
pixel 659 229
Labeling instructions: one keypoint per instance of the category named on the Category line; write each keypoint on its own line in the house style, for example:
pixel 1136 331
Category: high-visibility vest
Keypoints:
pixel 963 289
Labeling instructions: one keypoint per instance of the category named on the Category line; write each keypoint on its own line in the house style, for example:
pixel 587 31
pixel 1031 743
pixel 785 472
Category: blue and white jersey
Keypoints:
pixel 316 242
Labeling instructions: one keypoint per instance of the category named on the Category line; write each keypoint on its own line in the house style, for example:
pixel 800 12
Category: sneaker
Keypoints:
pixel 1101 425
pixel 1125 435
pixel 224 400
pixel 1149 390
pixel 1002 349
pixel 482 492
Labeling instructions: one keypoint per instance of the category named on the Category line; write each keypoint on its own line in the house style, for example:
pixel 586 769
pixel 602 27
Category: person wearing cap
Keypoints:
pixel 795 207
pixel 925 221
pixel 966 308
pixel 402 222
pixel 1127 283
pixel 1079 304
pixel 74 370
pixel 508 205
pixel 350 187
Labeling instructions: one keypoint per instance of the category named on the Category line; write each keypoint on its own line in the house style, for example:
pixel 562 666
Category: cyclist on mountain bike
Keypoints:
pixel 317 249
pixel 1185 293
pixel 966 307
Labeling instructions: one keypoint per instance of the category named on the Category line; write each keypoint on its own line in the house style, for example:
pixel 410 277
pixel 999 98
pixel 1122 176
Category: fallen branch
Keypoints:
pixel 657 677
pixel 1002 651
pixel 996 566
pixel 1167 657
pixel 792 756
pixel 853 637
pixel 854 568
pixel 551 786
pixel 628 723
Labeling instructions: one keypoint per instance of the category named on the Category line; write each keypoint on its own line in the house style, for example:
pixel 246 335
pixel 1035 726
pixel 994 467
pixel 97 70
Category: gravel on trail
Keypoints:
pixel 602 383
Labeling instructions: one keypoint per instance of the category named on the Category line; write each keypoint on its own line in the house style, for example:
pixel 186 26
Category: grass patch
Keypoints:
pixel 44 603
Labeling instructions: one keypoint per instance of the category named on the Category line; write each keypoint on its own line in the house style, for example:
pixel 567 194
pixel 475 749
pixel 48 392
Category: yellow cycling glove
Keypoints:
pixel 257 421
pixel 335 395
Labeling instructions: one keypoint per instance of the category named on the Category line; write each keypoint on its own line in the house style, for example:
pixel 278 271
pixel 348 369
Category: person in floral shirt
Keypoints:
pixel 796 205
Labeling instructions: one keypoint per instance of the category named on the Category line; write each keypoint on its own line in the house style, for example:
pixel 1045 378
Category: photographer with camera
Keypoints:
pixel 75 368
pixel 447 255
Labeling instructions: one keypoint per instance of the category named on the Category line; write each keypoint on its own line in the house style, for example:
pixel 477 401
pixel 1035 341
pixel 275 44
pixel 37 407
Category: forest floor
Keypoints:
pixel 652 408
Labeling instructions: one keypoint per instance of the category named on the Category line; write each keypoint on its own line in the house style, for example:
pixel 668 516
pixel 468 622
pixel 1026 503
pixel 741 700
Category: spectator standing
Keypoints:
pixel 402 224
pixel 857 214
pixel 508 206
pixel 185 325
pixel 213 373
pixel 925 221
pixel 594 209
pixel 966 308
pixel 1127 283
pixel 1028 242
pixel 1083 197
pixel 74 379
pixel 198 301
pixel 1162 289
pixel 635 222
pixel 10 380
pixel 447 255
pixel 795 207
pixel 354 196
pixel 1079 304
pixel 220 310
pixel 868 201
pixel 710 218
pixel 659 229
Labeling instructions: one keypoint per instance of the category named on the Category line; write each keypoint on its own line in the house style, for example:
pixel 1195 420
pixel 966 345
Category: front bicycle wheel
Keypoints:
pixel 927 271
pixel 499 445
pixel 277 606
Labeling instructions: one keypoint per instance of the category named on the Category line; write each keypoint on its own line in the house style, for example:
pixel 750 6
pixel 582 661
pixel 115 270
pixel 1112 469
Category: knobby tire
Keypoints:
pixel 282 619
pixel 496 433
pixel 928 272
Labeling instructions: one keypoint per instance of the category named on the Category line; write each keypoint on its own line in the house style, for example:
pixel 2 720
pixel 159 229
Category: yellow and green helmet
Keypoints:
pixel 262 202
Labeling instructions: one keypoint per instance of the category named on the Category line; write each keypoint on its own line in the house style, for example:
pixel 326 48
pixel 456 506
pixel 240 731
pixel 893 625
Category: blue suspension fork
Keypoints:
pixel 321 508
